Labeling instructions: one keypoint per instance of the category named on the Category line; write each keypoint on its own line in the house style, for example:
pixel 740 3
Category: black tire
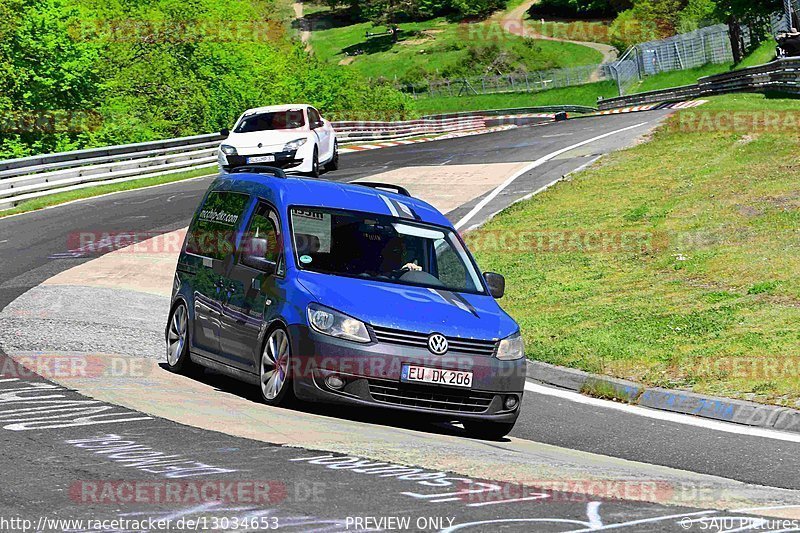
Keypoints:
pixel 177 338
pixel 488 430
pixel 315 164
pixel 333 164
pixel 284 396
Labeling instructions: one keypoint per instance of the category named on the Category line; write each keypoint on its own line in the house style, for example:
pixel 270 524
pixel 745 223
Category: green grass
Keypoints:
pixel 583 94
pixel 709 298
pixel 437 47
pixel 761 55
pixel 679 78
pixel 64 197
pixel 579 95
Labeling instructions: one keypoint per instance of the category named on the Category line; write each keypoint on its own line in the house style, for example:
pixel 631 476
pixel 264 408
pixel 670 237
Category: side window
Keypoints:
pixel 313 116
pixel 213 230
pixel 265 226
pixel 313 236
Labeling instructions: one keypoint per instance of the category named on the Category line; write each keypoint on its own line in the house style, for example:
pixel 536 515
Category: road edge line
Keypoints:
pixel 677 401
pixel 534 164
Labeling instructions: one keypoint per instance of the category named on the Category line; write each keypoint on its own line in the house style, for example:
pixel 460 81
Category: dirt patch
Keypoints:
pixel 750 211
pixel 412 42
pixel 785 202
pixel 347 60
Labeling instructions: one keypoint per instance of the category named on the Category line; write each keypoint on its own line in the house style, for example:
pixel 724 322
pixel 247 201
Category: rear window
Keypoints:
pixel 282 120
pixel 213 230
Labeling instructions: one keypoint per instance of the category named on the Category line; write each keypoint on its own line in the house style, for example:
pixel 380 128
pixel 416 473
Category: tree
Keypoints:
pixel 752 13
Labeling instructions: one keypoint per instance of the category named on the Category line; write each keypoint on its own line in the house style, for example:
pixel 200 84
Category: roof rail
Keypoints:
pixel 387 186
pixel 260 169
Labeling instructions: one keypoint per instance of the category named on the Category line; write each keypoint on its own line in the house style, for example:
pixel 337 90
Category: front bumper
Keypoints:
pixel 284 160
pixel 372 378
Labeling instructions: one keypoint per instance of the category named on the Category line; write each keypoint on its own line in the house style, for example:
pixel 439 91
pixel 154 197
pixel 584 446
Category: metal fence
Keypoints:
pixel 681 52
pixel 539 80
pixel 780 21
pixel 709 45
pixel 782 76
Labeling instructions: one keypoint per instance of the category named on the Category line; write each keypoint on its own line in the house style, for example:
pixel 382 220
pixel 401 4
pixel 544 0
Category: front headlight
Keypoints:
pixel 227 149
pixel 511 349
pixel 336 324
pixel 292 146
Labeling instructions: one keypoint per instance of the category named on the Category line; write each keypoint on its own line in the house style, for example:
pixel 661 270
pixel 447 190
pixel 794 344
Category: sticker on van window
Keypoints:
pixel 305 259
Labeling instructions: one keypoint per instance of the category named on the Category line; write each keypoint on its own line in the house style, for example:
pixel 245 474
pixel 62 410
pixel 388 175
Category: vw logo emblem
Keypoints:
pixel 437 344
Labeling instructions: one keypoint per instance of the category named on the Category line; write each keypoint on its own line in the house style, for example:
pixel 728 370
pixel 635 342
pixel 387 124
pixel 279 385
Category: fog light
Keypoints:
pixel 334 382
pixel 511 402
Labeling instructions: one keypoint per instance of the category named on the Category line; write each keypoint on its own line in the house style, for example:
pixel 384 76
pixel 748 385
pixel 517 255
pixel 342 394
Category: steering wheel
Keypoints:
pixel 399 273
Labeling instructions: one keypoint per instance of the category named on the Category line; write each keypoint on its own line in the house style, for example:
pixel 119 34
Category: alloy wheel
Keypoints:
pixel 176 340
pixel 275 364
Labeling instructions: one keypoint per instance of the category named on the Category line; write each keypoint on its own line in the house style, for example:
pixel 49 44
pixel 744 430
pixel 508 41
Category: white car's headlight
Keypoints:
pixel 511 348
pixel 227 149
pixel 292 146
pixel 336 324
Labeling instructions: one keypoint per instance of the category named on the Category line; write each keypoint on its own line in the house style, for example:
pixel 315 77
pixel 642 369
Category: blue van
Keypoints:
pixel 355 294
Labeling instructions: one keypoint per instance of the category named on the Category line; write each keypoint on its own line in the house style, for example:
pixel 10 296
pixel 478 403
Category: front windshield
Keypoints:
pixel 281 120
pixel 382 248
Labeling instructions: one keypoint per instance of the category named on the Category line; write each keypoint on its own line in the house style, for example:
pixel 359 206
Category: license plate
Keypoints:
pixel 261 159
pixel 436 376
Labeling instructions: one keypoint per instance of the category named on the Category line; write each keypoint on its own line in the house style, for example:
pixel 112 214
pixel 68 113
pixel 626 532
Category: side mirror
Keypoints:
pixel 224 132
pixel 316 125
pixel 253 256
pixel 260 263
pixel 497 284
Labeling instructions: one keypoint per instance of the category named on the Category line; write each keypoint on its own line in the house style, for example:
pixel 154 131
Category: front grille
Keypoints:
pixel 457 401
pixel 420 340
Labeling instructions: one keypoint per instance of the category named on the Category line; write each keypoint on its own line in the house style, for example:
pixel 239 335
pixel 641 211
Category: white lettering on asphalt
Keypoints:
pixel 463 489
pixel 29 405
pixel 145 459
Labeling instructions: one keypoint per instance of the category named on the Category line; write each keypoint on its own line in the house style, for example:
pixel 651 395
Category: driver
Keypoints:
pixel 392 257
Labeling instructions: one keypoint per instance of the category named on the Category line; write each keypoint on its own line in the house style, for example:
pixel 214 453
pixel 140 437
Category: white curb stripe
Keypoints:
pixel 665 416
pixel 542 160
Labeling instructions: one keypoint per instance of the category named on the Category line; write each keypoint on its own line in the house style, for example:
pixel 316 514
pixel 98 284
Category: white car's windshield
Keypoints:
pixel 382 248
pixel 282 120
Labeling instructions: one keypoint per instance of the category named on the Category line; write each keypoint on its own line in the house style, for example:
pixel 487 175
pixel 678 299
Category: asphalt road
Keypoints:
pixel 44 465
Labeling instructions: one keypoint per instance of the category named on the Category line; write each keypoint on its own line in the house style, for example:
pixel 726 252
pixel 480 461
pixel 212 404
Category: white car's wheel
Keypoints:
pixel 333 164
pixel 314 173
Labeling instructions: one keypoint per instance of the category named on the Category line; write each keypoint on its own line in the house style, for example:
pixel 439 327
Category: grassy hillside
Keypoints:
pixel 697 283
pixel 585 94
pixel 437 48
pixel 580 95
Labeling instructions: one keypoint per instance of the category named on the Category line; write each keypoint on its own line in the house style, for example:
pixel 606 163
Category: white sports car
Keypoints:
pixel 291 137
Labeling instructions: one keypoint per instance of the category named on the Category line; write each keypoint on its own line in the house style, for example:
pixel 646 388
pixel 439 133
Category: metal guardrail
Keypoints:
pixel 550 109
pixel 780 76
pixel 349 131
pixel 42 175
